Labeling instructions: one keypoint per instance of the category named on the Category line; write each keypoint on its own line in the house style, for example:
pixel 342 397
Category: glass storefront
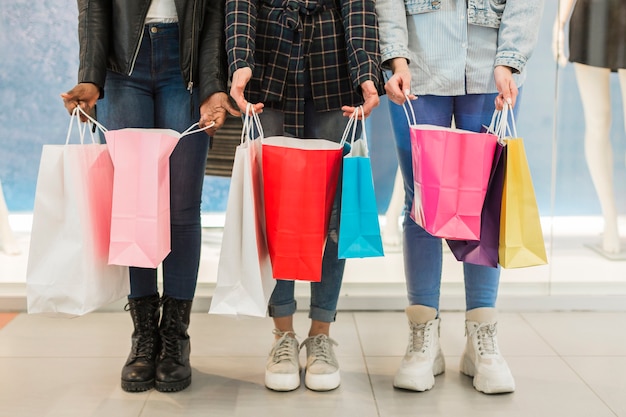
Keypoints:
pixel 566 138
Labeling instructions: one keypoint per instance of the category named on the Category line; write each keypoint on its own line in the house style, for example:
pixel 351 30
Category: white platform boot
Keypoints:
pixel 481 358
pixel 423 359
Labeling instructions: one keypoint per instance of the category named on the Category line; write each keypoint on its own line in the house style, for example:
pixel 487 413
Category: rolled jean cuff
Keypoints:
pixel 319 314
pixel 282 310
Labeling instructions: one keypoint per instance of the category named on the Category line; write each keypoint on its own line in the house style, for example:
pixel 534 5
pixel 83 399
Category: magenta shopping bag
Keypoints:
pixel 451 170
pixel 140 218
pixel 485 251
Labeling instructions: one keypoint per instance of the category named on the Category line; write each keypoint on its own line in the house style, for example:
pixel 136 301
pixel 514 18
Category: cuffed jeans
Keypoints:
pixel 422 251
pixel 155 96
pixel 324 294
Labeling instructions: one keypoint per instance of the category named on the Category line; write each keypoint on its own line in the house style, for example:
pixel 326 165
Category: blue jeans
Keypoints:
pixel 422 251
pixel 324 294
pixel 155 96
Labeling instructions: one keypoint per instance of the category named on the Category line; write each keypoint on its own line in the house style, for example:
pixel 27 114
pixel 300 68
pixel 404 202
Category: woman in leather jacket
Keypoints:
pixel 159 64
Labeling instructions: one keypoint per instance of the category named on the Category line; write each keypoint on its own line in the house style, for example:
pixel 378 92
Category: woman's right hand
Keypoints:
pixel 399 85
pixel 240 80
pixel 84 95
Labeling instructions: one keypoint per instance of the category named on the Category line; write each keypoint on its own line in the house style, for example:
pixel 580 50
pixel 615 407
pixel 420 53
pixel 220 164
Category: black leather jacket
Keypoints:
pixel 109 32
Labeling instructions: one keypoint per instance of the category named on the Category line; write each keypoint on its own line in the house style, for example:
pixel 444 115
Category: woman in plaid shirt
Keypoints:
pixel 304 65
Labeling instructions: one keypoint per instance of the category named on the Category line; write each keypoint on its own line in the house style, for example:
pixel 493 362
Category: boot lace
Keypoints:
pixel 145 336
pixel 169 331
pixel 284 346
pixel 418 341
pixel 486 336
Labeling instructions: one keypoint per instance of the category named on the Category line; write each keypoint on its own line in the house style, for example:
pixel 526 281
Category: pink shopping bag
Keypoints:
pixel 451 169
pixel 140 216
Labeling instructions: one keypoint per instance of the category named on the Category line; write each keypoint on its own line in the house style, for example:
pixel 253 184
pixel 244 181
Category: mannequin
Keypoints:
pixel 7 241
pixel 595 56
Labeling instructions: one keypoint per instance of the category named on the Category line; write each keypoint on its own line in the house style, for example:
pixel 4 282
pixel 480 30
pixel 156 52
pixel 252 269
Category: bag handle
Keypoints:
pixel 189 130
pixel 501 125
pixel 407 103
pixel 251 121
pixel 506 127
pixel 352 127
pixel 82 127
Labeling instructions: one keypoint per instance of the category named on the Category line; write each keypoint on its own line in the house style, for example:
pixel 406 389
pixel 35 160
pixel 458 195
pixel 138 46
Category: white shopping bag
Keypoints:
pixel 68 271
pixel 244 272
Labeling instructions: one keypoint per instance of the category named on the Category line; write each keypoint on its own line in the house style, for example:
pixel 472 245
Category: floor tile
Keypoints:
pixel 231 387
pixel 606 376
pixel 581 333
pixel 546 387
pixel 65 387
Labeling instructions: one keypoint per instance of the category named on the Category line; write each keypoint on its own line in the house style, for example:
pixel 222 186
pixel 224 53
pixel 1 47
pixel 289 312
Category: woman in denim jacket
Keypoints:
pixel 463 58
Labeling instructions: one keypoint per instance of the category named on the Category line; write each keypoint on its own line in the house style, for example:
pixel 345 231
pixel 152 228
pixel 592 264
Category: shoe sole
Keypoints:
pixel 134 386
pixel 322 382
pixel 483 384
pixel 282 382
pixel 409 382
pixel 172 386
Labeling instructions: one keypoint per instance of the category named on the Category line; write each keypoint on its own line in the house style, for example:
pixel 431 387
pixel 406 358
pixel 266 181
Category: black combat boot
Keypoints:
pixel 173 372
pixel 140 368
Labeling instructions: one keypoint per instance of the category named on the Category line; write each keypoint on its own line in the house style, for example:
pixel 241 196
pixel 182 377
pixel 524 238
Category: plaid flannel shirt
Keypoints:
pixel 335 41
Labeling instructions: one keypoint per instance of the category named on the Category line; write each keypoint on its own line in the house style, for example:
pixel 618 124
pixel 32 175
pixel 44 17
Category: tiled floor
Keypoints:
pixel 565 364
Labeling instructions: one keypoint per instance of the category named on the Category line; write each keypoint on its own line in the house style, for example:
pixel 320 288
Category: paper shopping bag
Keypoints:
pixel 521 241
pixel 68 271
pixel 300 179
pixel 244 272
pixel 140 223
pixel 359 230
pixel 451 169
pixel 485 251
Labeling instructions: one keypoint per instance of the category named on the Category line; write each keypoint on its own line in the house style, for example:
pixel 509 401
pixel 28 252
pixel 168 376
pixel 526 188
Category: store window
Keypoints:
pixel 571 118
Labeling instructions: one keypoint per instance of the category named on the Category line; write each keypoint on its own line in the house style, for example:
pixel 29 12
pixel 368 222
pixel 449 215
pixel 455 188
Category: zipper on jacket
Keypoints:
pixel 132 63
pixel 193 51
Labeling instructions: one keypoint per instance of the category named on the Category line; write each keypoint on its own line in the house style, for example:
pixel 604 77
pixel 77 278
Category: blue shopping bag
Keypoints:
pixel 359 230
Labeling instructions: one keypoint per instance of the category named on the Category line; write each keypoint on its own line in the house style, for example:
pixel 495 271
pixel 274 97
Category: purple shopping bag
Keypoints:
pixel 485 251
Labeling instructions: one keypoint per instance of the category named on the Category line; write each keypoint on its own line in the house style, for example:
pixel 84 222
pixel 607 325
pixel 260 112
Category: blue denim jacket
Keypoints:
pixel 453 45
pixel 480 12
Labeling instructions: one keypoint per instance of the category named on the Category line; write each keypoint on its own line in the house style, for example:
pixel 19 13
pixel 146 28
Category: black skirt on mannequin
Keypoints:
pixel 597 33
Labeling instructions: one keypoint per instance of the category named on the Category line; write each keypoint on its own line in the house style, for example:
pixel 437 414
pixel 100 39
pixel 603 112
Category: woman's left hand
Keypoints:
pixel 370 101
pixel 506 86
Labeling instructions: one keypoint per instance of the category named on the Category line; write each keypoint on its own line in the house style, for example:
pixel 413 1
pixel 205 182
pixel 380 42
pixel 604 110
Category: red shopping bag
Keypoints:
pixel 451 169
pixel 140 217
pixel 299 181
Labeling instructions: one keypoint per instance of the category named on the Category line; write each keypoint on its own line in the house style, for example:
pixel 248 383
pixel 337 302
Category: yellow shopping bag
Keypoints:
pixel 521 239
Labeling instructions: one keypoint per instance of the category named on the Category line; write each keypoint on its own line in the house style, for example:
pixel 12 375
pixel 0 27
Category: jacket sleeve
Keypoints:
pixel 94 25
pixel 518 33
pixel 211 50
pixel 361 35
pixel 240 34
pixel 394 34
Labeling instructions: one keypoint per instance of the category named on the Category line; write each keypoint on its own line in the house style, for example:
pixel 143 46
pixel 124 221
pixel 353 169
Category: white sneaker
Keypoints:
pixel 322 368
pixel 282 372
pixel 481 358
pixel 423 359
